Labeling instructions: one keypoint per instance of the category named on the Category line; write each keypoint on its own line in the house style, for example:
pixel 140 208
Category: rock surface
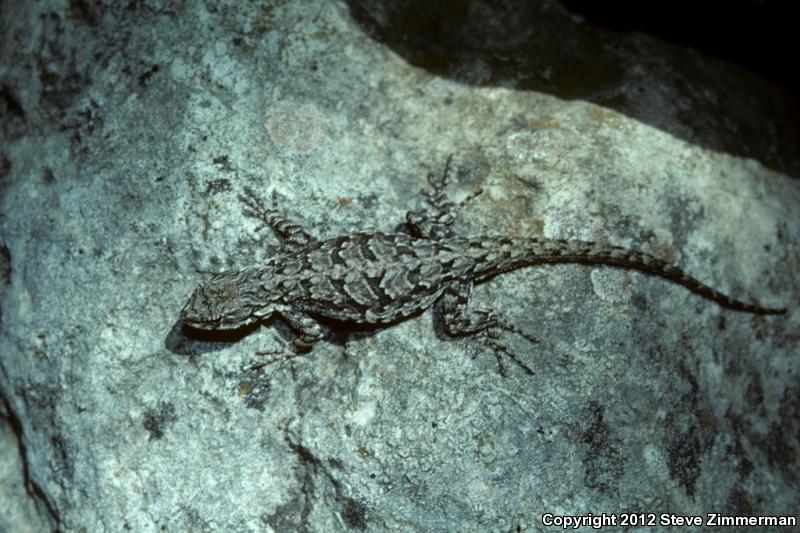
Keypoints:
pixel 128 131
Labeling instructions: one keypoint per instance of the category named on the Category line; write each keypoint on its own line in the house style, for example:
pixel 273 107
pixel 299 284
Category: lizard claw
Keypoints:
pixel 501 349
pixel 278 357
pixel 285 353
pixel 507 326
pixel 491 337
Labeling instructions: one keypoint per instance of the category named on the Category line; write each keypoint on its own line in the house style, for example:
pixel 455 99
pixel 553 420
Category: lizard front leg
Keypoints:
pixel 459 321
pixel 292 235
pixel 436 222
pixel 308 332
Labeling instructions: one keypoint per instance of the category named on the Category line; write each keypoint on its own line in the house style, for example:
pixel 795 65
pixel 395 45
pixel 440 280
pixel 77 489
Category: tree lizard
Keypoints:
pixel 376 278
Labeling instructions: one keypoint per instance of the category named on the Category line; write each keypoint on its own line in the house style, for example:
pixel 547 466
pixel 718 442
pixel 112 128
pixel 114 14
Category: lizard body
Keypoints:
pixel 374 278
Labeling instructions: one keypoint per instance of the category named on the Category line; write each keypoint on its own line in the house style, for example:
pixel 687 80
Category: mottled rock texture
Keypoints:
pixel 127 131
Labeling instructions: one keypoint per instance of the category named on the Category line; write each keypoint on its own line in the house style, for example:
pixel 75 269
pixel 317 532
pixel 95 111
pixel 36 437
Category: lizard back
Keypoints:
pixel 374 278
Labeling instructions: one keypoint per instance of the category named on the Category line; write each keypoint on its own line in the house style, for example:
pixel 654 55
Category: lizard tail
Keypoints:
pixel 512 253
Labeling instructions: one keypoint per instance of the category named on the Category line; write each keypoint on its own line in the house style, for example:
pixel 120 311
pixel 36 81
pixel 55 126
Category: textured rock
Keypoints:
pixel 129 130
pixel 541 46
pixel 18 511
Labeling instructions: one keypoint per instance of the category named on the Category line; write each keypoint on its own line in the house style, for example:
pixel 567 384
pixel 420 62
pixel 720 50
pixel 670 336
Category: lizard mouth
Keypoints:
pixel 194 324
pixel 190 319
pixel 214 323
pixel 195 320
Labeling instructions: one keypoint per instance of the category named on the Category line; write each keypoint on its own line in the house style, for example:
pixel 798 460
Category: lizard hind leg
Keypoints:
pixel 292 235
pixel 460 321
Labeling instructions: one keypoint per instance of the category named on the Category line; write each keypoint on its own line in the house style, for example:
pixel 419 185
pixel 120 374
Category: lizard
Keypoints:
pixel 374 279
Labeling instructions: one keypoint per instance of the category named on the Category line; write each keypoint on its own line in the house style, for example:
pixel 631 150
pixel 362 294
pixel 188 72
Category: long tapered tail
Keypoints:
pixel 505 254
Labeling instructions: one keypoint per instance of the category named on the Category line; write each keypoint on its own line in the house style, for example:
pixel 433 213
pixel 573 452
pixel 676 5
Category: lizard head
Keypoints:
pixel 229 300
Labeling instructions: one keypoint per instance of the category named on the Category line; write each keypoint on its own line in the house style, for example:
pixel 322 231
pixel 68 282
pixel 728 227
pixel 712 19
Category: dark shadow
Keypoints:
pixel 187 341
pixel 41 498
pixel 339 332
pixel 545 46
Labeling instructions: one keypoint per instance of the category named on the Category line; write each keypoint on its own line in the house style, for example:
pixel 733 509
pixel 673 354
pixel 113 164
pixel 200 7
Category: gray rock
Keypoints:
pixel 128 132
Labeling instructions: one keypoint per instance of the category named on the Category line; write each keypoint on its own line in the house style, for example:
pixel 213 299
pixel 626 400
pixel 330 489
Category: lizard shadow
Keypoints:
pixel 187 341
pixel 341 332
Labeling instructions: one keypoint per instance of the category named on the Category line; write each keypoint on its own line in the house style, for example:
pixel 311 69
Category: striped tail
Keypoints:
pixel 505 254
